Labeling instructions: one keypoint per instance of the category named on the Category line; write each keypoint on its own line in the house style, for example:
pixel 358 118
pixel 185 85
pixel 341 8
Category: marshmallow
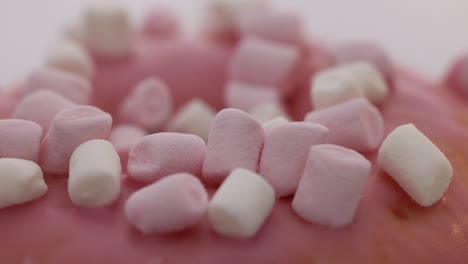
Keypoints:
pixel 94 178
pixel 9 99
pixel 285 28
pixel 285 153
pixel 268 126
pixel 346 82
pixel 149 105
pixel 158 155
pixel 262 62
pixel 69 56
pixel 172 204
pixel 269 111
pixel 21 181
pixel 355 124
pixel 123 138
pixel 363 52
pixel 457 76
pixel 20 139
pixel 246 96
pixel 416 164
pixel 107 31
pixel 241 205
pixel 195 117
pixel 41 107
pixel 66 84
pixel 331 187
pixel 235 140
pixel 70 128
pixel 160 23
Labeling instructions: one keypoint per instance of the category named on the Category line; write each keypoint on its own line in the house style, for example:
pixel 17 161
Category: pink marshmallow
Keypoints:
pixel 70 128
pixel 123 138
pixel 160 23
pixel 235 140
pixel 68 85
pixel 285 153
pixel 355 124
pixel 285 28
pixel 20 139
pixel 457 76
pixel 9 99
pixel 246 96
pixel 263 62
pixel 364 52
pixel 159 155
pixel 172 204
pixel 149 105
pixel 331 187
pixel 41 107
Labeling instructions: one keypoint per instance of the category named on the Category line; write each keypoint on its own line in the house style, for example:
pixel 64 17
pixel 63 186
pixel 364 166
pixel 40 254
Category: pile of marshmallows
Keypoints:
pixel 254 159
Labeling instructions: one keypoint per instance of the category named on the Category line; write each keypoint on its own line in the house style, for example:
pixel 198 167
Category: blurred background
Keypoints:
pixel 423 34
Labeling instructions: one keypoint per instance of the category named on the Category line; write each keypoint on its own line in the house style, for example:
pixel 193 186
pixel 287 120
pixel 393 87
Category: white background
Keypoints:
pixel 425 34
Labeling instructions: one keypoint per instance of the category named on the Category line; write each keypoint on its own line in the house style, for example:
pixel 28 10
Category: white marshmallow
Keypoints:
pixel 274 123
pixel 107 30
pixel 195 118
pixel 241 205
pixel 69 56
pixel 347 82
pixel 416 164
pixel 21 181
pixel 95 173
pixel 268 111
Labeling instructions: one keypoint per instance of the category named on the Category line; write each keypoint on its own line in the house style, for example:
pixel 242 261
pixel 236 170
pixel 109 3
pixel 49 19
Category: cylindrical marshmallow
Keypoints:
pixel 21 181
pixel 355 124
pixel 268 126
pixel 416 164
pixel 41 107
pixel 95 173
pixel 107 30
pixel 331 187
pixel 68 85
pixel 158 155
pixel 20 139
pixel 123 138
pixel 236 140
pixel 267 112
pixel 241 205
pixel 195 117
pixel 9 99
pixel 70 128
pixel 160 23
pixel 172 204
pixel 284 154
pixel 149 105
pixel 245 96
pixel 69 56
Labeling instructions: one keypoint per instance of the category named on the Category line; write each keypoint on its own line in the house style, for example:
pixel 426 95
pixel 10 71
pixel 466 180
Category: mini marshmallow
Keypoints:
pixel 457 76
pixel 346 82
pixel 172 204
pixel 9 99
pixel 69 56
pixel 195 117
pixel 21 181
pixel 41 107
pixel 107 31
pixel 279 27
pixel 123 138
pixel 70 128
pixel 68 85
pixel 241 205
pixel 268 126
pixel 94 178
pixel 355 124
pixel 331 187
pixel 416 164
pixel 266 112
pixel 235 140
pixel 246 96
pixel 160 23
pixel 20 139
pixel 363 52
pixel 158 155
pixel 285 153
pixel 149 105
pixel 262 62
